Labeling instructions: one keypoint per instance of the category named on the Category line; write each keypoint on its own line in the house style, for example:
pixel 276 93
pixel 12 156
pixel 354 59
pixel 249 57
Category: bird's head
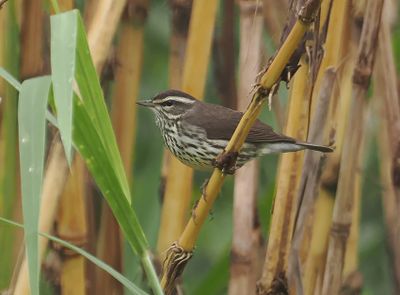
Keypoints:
pixel 169 105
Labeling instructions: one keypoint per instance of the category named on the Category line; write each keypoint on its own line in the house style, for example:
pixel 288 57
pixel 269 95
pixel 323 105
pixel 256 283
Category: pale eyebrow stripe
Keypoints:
pixel 175 98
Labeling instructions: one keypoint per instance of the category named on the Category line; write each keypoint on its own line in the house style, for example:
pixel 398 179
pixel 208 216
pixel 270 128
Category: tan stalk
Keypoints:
pixel 194 76
pixel 53 186
pixel 180 252
pixel 342 213
pixel 386 87
pixel 32 39
pixel 339 54
pixel 57 170
pixel 104 21
pixel 128 68
pixel 72 227
pixel 323 206
pixel 176 190
pixel 308 185
pixel 274 275
pixel 245 260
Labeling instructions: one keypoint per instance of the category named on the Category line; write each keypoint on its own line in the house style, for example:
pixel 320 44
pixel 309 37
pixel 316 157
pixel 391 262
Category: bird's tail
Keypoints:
pixel 316 147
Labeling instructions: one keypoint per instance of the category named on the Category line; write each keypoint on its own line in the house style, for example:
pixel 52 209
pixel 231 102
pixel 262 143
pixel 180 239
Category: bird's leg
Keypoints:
pixel 226 162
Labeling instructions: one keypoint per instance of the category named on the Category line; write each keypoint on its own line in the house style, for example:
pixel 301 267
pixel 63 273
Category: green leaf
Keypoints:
pixel 104 266
pixel 94 138
pixel 32 126
pixel 63 55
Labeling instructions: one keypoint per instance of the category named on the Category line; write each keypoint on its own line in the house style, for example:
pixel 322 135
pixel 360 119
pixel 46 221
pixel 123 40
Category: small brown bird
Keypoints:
pixel 197 132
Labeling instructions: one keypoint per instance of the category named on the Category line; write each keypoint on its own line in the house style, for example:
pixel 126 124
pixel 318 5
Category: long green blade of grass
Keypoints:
pixel 63 56
pixel 32 126
pixel 104 266
pixel 94 138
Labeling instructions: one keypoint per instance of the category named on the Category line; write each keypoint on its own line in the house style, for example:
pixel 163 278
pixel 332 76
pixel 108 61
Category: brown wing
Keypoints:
pixel 221 122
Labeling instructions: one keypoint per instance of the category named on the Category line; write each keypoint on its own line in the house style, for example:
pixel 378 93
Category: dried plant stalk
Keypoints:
pixel 32 39
pixel 180 252
pixel 274 275
pixel 309 184
pixel 104 21
pixel 72 227
pixel 177 190
pixel 245 264
pixel 386 86
pixel 128 70
pixel 342 213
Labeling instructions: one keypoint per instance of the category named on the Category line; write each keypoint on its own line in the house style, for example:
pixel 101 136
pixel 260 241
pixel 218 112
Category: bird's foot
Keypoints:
pixel 226 162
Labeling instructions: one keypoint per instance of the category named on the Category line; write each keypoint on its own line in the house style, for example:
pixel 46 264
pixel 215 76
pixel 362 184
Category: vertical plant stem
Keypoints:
pixel 245 264
pixel 342 213
pixel 8 141
pixel 72 227
pixel 32 39
pixel 123 112
pixel 177 192
pixel 386 87
pixel 101 29
pixel 274 275
pixel 180 253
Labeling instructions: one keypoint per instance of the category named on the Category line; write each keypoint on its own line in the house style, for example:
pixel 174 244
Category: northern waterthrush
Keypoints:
pixel 197 132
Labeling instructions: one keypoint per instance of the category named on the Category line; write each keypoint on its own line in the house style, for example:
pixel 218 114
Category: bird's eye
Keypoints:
pixel 167 103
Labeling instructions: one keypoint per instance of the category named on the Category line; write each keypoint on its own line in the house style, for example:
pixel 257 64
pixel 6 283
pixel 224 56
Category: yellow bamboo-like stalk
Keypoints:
pixel 123 112
pixel 321 223
pixel 180 252
pixel 193 81
pixel 279 241
pixel 342 213
pixel 176 192
pixel 72 227
pixel 244 269
pixel 338 53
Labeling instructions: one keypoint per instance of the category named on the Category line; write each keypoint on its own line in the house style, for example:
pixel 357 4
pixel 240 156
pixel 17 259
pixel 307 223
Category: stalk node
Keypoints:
pixel 173 266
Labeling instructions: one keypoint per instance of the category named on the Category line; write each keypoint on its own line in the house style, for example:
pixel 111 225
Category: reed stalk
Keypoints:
pixel 386 85
pixel 102 27
pixel 337 54
pixel 274 275
pixel 245 260
pixel 123 112
pixel 72 227
pixel 308 186
pixel 32 39
pixel 8 141
pixel 175 192
pixel 180 252
pixel 342 213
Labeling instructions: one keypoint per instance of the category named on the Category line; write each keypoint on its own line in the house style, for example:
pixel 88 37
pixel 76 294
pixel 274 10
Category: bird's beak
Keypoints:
pixel 145 103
